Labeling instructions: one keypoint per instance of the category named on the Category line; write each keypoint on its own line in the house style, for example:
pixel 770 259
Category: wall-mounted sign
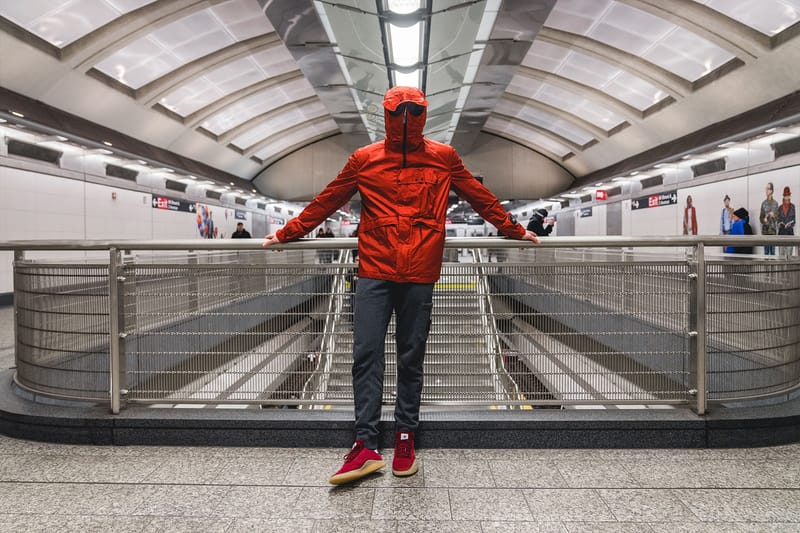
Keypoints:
pixel 586 212
pixel 655 200
pixel 240 215
pixel 171 204
pixel 601 194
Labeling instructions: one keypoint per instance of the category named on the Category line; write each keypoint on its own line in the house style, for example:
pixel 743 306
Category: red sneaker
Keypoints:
pixel 404 462
pixel 358 463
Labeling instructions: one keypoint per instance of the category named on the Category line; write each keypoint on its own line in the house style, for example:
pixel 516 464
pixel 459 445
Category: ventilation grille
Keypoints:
pixel 261 206
pixel 213 194
pixel 116 171
pixel 176 186
pixel 586 198
pixel 709 167
pixel 33 151
pixel 615 191
pixel 240 201
pixel 789 146
pixel 652 181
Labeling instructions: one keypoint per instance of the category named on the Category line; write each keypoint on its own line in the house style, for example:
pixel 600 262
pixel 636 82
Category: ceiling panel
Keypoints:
pixel 585 82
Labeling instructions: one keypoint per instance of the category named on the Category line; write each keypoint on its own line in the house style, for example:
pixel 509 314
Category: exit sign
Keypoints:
pixel 600 195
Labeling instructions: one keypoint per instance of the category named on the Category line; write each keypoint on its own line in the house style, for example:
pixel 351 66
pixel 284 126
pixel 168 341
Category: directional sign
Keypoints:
pixel 655 200
pixel 172 204
pixel 586 212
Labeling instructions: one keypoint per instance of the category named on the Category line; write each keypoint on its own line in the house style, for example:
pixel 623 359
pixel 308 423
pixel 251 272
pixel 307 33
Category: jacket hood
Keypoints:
pixel 396 135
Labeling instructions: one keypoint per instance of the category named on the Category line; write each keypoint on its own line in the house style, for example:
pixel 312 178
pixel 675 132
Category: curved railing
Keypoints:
pixel 600 320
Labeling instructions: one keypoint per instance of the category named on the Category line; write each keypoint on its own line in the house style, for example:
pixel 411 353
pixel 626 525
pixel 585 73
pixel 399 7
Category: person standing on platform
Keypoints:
pixel 769 218
pixel 240 232
pixel 404 181
pixel 740 226
pixel 538 225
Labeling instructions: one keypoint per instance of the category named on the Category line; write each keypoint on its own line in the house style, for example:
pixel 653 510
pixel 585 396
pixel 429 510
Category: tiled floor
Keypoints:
pixel 61 488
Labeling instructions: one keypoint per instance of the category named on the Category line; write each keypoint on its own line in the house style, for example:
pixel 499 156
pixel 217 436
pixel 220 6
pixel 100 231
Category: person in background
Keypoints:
pixel 538 224
pixel 404 182
pixel 725 218
pixel 740 226
pixel 689 218
pixel 240 232
pixel 769 218
pixel 786 218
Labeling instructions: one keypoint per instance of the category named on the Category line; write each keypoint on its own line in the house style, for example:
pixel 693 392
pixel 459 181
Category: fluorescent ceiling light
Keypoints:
pixel 405 45
pixel 403 7
pixel 408 80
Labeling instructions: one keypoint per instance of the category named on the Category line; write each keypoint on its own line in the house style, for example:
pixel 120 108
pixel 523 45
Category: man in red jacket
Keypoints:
pixel 404 182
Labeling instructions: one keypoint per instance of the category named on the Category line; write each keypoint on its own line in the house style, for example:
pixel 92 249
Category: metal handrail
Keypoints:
pixel 697 247
pixel 342 243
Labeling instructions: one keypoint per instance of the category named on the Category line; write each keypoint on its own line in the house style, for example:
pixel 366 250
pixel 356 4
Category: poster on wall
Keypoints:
pixel 205 222
pixel 172 204
pixel 655 200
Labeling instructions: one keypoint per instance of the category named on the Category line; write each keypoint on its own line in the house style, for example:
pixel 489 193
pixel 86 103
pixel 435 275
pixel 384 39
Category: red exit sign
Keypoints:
pixel 600 194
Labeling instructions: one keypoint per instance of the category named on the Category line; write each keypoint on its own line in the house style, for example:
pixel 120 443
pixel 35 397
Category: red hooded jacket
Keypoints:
pixel 404 182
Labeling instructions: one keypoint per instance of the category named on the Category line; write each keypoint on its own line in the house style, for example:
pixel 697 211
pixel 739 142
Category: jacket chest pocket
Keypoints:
pixel 417 187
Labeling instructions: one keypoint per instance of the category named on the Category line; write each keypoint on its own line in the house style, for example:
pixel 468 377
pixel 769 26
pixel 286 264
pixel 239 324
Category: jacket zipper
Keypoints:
pixel 404 136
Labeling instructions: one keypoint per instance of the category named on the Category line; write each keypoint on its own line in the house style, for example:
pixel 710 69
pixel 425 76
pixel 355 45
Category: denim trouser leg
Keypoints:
pixel 413 307
pixel 375 301
pixel 373 309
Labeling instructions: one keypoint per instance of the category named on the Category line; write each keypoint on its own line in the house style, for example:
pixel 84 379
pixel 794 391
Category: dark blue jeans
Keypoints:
pixel 375 301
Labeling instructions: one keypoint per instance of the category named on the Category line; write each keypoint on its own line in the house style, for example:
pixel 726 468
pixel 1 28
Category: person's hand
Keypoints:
pixel 530 236
pixel 269 240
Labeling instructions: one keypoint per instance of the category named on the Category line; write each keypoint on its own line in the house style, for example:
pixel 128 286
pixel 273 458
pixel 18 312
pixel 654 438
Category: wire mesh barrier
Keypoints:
pixel 563 325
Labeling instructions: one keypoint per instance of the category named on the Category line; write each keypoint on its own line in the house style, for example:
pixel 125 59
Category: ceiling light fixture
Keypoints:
pixel 405 35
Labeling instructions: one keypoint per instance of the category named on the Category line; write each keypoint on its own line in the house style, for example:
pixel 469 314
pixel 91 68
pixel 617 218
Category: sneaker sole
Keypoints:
pixel 404 473
pixel 348 477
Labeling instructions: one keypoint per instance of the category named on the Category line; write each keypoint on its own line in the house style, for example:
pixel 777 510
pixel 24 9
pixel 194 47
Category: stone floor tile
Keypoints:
pixel 596 474
pixel 607 527
pixel 187 524
pixel 723 527
pixel 187 471
pixel 245 502
pixel 437 526
pixel 526 474
pixel 456 474
pixel 715 473
pixel 76 469
pixel 523 527
pixel 271 525
pixel 742 505
pixel 38 523
pixel 253 470
pixel 489 505
pixel 333 503
pixel 352 526
pixel 567 505
pixel 646 505
pixel 181 500
pixel 411 504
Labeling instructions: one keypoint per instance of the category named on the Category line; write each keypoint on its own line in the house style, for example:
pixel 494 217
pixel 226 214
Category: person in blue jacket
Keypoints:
pixel 740 226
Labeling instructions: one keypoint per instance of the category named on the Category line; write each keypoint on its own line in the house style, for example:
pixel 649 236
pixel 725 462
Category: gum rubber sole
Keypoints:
pixel 348 477
pixel 410 472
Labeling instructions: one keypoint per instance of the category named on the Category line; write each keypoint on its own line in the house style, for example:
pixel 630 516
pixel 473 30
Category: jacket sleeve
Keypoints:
pixel 331 198
pixel 481 199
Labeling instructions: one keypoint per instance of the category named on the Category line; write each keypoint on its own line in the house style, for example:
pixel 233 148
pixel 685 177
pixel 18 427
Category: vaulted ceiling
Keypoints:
pixel 240 84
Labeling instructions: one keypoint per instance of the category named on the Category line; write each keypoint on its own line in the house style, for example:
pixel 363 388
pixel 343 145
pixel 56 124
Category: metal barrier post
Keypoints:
pixel 697 327
pixel 116 335
pixel 19 256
